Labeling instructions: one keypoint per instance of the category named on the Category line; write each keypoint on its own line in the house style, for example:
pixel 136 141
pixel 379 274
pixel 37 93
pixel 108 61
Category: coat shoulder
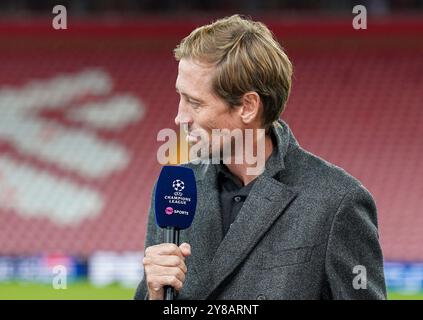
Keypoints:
pixel 318 176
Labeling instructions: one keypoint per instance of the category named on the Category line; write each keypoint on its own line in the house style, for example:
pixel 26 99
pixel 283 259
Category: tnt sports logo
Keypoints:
pixel 178 185
pixel 169 211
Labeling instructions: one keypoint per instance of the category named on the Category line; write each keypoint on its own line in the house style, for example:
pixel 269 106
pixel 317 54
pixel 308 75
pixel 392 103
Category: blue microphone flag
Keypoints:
pixel 175 197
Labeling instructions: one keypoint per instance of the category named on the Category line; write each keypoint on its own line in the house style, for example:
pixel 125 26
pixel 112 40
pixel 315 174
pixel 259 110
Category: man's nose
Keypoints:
pixel 183 117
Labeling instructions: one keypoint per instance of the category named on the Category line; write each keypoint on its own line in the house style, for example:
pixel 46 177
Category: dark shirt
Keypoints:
pixel 233 193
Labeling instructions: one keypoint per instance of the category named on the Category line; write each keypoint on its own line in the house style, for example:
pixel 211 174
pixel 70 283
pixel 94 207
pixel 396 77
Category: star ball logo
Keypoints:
pixel 178 185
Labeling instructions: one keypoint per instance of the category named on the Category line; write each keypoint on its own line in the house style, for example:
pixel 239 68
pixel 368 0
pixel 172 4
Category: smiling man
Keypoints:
pixel 301 228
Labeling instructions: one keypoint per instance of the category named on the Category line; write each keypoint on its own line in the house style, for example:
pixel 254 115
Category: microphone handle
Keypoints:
pixel 171 236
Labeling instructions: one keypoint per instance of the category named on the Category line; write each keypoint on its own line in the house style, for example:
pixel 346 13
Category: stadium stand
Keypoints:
pixel 74 183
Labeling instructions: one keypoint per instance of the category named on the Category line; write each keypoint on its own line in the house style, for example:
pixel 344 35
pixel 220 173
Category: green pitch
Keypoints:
pixel 75 291
pixel 402 296
pixel 85 291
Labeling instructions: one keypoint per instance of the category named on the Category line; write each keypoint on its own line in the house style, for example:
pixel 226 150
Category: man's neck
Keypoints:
pixel 240 170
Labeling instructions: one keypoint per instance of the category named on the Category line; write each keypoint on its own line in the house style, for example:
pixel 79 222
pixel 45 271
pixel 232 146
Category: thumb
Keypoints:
pixel 185 249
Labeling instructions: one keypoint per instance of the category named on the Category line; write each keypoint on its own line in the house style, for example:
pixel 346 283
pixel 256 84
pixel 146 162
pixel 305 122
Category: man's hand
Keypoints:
pixel 164 265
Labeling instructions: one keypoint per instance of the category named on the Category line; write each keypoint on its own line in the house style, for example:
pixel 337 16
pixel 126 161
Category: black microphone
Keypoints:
pixel 175 203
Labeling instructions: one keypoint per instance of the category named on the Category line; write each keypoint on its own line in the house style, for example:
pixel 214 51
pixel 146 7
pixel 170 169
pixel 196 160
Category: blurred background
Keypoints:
pixel 80 110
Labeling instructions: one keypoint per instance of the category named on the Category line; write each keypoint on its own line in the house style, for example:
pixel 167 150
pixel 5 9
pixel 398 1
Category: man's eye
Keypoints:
pixel 195 105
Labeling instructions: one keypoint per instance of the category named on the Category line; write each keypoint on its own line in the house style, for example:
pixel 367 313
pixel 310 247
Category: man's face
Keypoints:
pixel 199 108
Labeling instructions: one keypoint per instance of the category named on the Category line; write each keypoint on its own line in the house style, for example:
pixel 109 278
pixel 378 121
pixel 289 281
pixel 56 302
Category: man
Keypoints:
pixel 301 229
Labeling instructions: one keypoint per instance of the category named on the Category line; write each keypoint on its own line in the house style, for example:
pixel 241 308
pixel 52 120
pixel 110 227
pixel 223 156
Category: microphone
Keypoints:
pixel 175 202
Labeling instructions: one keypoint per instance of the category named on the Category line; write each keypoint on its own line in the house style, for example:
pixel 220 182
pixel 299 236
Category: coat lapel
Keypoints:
pixel 267 202
pixel 206 231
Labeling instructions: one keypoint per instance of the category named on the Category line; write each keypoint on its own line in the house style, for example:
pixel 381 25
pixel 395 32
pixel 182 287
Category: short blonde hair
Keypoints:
pixel 247 58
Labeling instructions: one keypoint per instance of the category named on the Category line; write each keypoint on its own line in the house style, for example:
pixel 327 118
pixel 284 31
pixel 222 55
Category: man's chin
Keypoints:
pixel 202 152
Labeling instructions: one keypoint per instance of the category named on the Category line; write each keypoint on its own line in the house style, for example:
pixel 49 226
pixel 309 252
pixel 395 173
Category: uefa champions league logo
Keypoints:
pixel 177 198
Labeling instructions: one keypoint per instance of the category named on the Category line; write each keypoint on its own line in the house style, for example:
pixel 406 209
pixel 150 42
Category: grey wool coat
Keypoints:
pixel 309 232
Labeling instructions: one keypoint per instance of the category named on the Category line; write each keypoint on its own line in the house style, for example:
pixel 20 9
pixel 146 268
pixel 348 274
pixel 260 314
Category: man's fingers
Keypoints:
pixel 166 261
pixel 165 276
pixel 164 265
pixel 164 249
pixel 158 284
pixel 185 248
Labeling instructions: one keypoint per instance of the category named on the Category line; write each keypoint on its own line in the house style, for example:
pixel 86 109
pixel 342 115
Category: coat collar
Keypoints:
pixel 284 141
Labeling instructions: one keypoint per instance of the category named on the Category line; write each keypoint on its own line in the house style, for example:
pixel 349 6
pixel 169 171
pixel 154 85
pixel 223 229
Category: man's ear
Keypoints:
pixel 251 106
